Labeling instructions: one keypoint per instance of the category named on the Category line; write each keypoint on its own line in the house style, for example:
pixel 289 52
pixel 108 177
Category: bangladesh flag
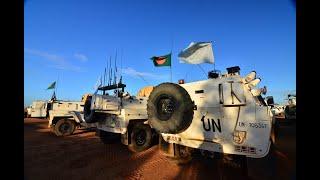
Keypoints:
pixel 162 60
pixel 52 86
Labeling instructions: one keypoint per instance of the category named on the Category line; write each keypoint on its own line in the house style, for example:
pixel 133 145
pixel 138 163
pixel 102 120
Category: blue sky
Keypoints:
pixel 72 41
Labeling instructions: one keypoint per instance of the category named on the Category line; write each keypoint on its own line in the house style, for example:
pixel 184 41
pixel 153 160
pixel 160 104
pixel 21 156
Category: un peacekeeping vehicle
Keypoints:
pixel 290 108
pixel 286 113
pixel 66 116
pixel 120 116
pixel 224 114
pixel 38 109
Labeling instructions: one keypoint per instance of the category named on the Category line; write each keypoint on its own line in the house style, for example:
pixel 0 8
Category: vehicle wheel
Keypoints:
pixel 183 154
pixel 170 108
pixel 108 137
pixel 89 115
pixel 64 127
pixel 141 138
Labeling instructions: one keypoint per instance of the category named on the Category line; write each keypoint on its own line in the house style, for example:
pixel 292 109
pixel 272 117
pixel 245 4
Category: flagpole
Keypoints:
pixel 170 74
pixel 171 59
pixel 214 63
pixel 55 91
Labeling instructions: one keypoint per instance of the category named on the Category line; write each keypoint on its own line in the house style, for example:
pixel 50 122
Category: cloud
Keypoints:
pixel 132 72
pixel 81 57
pixel 58 62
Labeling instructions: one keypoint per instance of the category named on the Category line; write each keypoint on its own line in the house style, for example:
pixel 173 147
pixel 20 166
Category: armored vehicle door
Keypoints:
pixel 105 103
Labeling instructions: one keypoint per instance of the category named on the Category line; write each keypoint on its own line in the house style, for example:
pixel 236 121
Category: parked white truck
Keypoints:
pixel 38 109
pixel 64 117
pixel 286 113
pixel 290 108
pixel 224 114
pixel 121 117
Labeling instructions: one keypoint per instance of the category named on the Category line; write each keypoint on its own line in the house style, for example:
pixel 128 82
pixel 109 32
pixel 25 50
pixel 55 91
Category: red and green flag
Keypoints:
pixel 159 61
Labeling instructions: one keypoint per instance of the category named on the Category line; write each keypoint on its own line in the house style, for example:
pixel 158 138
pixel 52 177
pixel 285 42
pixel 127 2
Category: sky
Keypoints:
pixel 72 41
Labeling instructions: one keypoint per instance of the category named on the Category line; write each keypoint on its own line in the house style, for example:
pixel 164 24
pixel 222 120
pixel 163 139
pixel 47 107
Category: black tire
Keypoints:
pixel 89 115
pixel 108 137
pixel 64 127
pixel 170 108
pixel 140 137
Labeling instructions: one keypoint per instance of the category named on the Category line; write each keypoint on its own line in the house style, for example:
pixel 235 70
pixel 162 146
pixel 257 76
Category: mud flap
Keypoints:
pixel 124 138
pixel 77 116
pixel 166 148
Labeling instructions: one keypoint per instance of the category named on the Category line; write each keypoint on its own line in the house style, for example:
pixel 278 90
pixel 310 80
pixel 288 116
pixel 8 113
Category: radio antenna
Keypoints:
pixel 109 72
pixel 115 70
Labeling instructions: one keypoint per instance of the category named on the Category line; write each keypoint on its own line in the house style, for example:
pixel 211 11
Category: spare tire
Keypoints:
pixel 89 115
pixel 170 108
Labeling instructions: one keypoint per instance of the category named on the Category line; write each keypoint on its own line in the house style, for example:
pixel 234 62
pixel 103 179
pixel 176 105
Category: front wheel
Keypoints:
pixel 141 138
pixel 64 127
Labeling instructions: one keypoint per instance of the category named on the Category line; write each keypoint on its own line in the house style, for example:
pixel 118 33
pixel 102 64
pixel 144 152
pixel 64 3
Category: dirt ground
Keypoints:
pixel 83 156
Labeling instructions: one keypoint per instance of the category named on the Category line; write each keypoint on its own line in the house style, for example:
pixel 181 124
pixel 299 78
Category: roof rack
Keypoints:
pixel 113 86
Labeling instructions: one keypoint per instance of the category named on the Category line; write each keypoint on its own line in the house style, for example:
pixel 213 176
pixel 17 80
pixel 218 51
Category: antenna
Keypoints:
pixel 121 64
pixel 110 71
pixel 185 77
pixel 115 71
pixel 111 76
pixel 107 74
pixel 104 76
pixel 202 70
pixel 143 79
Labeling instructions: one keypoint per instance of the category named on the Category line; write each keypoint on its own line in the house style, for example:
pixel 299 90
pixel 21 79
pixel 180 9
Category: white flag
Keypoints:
pixel 197 53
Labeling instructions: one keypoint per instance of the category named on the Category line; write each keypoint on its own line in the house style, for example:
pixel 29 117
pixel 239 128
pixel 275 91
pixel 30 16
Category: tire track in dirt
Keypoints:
pixel 84 156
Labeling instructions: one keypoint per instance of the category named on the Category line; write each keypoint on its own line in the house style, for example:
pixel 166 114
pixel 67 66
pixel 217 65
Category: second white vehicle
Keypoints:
pixel 121 117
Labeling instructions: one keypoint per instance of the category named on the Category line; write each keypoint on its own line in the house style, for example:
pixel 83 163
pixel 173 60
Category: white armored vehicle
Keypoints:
pixel 63 116
pixel 27 111
pixel 224 114
pixel 290 109
pixel 120 116
pixel 278 111
pixel 66 116
pixel 38 109
pixel 286 113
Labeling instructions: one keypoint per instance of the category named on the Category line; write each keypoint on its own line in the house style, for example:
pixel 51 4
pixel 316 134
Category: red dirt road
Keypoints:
pixel 83 156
